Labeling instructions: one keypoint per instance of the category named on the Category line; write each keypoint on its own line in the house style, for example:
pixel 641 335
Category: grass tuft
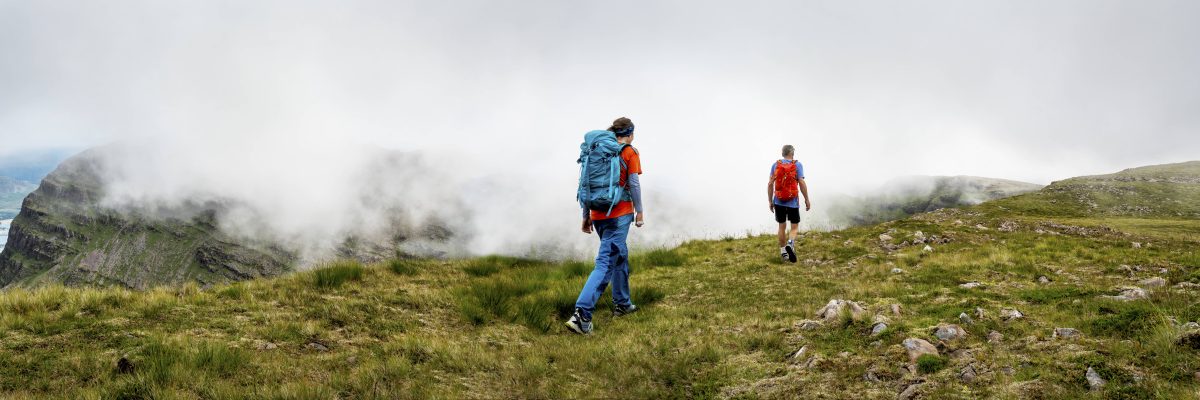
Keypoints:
pixel 336 274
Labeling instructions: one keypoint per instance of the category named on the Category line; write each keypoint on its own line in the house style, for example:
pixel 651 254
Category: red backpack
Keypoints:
pixel 785 181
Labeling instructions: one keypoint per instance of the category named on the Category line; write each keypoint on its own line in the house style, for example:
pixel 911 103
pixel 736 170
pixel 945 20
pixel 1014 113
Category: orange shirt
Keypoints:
pixel 633 164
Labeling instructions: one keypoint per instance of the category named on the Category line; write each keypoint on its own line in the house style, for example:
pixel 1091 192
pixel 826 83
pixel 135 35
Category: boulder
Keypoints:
pixel 948 332
pixel 918 347
pixel 910 392
pixel 1066 333
pixel 1128 294
pixel 897 271
pixel 834 309
pixel 1011 314
pixel 878 329
pixel 968 374
pixel 1043 279
pixel 1095 382
pixel 800 354
pixel 1155 282
pixel 808 325
pixel 995 337
pixel 966 319
pixel 970 285
pixel 927 249
pixel 885 238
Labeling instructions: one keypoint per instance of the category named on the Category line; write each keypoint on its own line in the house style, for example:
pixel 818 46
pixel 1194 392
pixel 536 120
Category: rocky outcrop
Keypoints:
pixel 64 235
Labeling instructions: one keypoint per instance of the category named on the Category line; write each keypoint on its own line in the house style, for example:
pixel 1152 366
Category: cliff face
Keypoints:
pixel 62 234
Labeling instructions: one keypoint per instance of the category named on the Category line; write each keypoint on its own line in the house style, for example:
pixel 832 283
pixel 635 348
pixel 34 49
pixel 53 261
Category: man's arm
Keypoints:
pixel 771 192
pixel 804 190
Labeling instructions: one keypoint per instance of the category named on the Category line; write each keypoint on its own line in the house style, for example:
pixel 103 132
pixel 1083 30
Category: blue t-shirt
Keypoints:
pixel 795 203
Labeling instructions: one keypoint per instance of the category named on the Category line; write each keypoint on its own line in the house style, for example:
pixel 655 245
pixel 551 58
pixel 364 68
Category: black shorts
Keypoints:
pixel 790 214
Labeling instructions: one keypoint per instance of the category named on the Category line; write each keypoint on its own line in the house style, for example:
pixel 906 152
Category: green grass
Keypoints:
pixel 929 363
pixel 336 274
pixel 717 319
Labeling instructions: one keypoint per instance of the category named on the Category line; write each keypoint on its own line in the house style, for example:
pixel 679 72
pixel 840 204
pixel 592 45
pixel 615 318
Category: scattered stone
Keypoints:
pixel 1010 314
pixel 808 325
pixel 834 309
pixel 927 249
pixel 1128 294
pixel 909 392
pixel 1137 245
pixel 1154 282
pixel 848 243
pixel 1187 285
pixel 1126 269
pixel 1197 375
pixel 266 346
pixel 1189 340
pixel 352 360
pixel 948 332
pixel 981 227
pixel 1163 271
pixel 1066 333
pixel 995 337
pixel 878 329
pixel 967 374
pixel 869 376
pixel 979 313
pixel 1095 382
pixel 124 366
pixel 1008 226
pixel 1008 371
pixel 970 285
pixel 1043 279
pixel 1191 326
pixel 897 271
pixel 317 346
pixel 844 354
pixel 800 353
pixel 918 347
pixel 885 238
pixel 966 319
pixel 896 310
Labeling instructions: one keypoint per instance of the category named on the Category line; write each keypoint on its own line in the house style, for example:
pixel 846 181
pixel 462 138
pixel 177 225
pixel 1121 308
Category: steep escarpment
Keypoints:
pixel 64 234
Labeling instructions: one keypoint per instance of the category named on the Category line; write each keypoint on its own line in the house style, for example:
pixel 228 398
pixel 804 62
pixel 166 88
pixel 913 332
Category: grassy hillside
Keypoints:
pixel 719 319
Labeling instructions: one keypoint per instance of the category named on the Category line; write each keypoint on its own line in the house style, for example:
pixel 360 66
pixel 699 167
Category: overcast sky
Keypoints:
pixel 866 90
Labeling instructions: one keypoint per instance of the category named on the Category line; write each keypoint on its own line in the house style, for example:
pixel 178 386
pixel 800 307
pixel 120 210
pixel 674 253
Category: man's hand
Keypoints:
pixel 639 220
pixel 807 205
pixel 772 206
pixel 587 226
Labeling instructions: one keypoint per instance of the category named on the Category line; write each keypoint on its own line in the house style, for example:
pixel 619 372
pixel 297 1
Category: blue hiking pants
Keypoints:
pixel 612 265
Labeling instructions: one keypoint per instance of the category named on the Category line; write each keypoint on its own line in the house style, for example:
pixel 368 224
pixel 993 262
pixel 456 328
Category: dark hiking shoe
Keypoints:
pixel 791 253
pixel 578 325
pixel 624 310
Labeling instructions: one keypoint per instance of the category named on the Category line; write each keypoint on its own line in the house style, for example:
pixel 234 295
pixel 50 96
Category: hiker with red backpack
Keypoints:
pixel 787 175
pixel 610 195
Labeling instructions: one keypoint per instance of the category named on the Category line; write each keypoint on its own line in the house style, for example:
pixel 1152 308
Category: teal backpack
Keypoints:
pixel 600 167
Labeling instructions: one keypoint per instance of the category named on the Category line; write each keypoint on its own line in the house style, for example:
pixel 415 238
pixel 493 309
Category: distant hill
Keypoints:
pixel 1158 191
pixel 12 192
pixel 63 235
pixel 901 198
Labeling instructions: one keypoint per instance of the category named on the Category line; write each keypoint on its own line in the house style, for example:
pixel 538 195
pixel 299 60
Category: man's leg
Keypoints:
pixel 620 269
pixel 782 234
pixel 601 274
pixel 792 234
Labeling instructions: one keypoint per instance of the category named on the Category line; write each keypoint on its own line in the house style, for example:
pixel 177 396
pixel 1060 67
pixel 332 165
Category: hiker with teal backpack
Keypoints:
pixel 610 195
pixel 783 189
